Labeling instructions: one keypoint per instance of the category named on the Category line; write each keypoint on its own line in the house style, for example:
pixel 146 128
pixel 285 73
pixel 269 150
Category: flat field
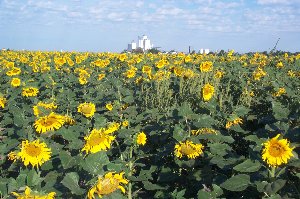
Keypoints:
pixel 89 125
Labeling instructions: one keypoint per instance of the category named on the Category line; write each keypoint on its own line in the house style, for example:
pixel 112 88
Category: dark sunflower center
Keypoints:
pixel 108 186
pixel 33 150
pixel 96 139
pixel 86 109
pixel 49 121
pixel 186 149
pixel 276 150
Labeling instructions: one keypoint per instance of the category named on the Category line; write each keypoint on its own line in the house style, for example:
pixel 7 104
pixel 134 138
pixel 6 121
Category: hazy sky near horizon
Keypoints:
pixel 109 25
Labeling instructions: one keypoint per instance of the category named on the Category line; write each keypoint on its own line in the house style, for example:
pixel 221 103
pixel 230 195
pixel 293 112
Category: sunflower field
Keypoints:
pixel 121 125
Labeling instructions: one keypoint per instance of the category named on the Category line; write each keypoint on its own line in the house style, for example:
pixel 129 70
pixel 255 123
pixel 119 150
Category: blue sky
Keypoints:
pixel 109 25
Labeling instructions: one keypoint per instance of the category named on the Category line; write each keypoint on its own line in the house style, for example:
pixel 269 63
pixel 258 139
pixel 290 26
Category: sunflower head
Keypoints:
pixel 2 102
pixel 207 92
pixel 30 92
pixel 35 153
pixel 141 138
pixel 204 131
pixel 28 194
pixel 189 149
pixel 277 152
pixel 50 122
pixel 108 184
pixel 109 106
pixel 98 140
pixel 206 66
pixel 87 109
pixel 15 82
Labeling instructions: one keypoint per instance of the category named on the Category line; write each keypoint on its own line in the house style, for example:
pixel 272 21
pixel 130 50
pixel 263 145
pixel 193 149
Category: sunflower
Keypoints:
pixel 82 80
pixel 109 106
pixel 49 106
pixel 87 109
pixel 69 120
pixel 15 82
pixel 219 74
pixel 112 127
pixel 130 73
pixel 178 71
pixel 98 140
pixel 107 185
pixel 204 131
pixel 13 71
pixel 207 92
pixel 125 123
pixel 12 156
pixel 28 194
pixel 141 138
pixel 50 122
pixel 34 153
pixel 276 152
pixel 101 76
pixel 258 73
pixel 189 149
pixel 279 65
pixel 206 66
pixel 122 57
pixel 236 121
pixel 280 92
pixel 2 102
pixel 188 73
pixel 146 69
pixel 30 92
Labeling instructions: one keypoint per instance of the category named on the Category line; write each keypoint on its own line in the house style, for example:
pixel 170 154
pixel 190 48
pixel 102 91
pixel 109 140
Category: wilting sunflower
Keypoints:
pixel 280 92
pixel 69 120
pixel 207 92
pixel 34 153
pixel 28 194
pixel 206 66
pixel 204 131
pixel 236 121
pixel 30 92
pixel 107 185
pixel 15 82
pixel 141 138
pixel 12 156
pixel 87 109
pixel 49 106
pixel 98 140
pixel 189 149
pixel 276 152
pixel 112 127
pixel 2 102
pixel 50 122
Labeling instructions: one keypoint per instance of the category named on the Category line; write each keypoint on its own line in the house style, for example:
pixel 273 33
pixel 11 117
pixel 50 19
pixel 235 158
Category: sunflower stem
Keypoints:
pixel 130 173
pixel 272 172
pixel 121 155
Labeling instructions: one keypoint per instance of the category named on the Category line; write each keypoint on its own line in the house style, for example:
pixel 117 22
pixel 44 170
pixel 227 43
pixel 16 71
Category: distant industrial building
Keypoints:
pixel 143 43
pixel 204 51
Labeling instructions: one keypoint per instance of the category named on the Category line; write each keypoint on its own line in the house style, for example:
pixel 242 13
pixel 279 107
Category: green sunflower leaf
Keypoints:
pixel 237 183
